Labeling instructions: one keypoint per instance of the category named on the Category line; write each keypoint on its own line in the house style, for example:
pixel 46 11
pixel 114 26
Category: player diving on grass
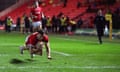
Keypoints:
pixel 35 42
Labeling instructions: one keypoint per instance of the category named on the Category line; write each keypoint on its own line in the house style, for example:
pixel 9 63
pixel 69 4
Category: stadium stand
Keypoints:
pixel 54 8
pixel 48 9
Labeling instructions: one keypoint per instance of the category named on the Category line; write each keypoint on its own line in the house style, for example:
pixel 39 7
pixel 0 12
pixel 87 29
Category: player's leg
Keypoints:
pixel 30 48
pixel 31 52
pixel 48 51
pixel 22 48
pixel 100 39
pixel 40 26
pixel 100 34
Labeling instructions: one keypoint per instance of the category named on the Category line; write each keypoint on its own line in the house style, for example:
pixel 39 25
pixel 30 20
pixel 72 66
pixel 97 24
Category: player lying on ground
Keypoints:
pixel 35 42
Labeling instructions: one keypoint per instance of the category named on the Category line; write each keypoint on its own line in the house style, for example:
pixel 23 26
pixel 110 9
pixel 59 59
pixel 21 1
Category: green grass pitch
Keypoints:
pixel 70 54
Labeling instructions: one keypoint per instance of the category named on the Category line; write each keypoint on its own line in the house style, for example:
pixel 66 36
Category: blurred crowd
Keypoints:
pixel 58 23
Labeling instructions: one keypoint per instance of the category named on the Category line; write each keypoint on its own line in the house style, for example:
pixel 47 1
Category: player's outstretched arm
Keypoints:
pixel 48 50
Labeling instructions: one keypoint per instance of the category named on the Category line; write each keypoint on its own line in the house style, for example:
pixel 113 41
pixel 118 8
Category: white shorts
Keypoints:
pixel 39 45
pixel 36 24
pixel 29 46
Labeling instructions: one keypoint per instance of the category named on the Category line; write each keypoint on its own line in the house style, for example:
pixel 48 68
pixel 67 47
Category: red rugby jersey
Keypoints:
pixel 37 13
pixel 32 39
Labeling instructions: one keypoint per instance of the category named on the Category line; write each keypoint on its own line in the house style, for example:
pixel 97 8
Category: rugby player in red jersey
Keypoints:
pixel 35 42
pixel 36 15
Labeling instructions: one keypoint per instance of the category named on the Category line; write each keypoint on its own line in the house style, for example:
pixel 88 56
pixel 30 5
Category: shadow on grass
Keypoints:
pixel 16 61
pixel 25 61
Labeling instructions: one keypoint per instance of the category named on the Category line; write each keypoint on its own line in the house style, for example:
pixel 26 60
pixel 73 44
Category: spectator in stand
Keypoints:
pixel 51 1
pixel 40 2
pixel 73 25
pixel 107 17
pixel 5 21
pixel 89 9
pixel 22 25
pixel 54 25
pixel 67 22
pixel 44 22
pixel 49 25
pixel 30 24
pixel 65 3
pixel 78 4
pixel 58 22
pixel 9 23
pixel 99 22
pixel 63 28
pixel 18 24
pixel 60 14
pixel 79 22
pixel 27 24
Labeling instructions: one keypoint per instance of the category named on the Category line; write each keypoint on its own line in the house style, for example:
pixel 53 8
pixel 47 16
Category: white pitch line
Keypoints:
pixel 74 40
pixel 66 54
pixel 80 40
pixel 10 44
pixel 62 53
pixel 100 54
pixel 61 67
pixel 3 55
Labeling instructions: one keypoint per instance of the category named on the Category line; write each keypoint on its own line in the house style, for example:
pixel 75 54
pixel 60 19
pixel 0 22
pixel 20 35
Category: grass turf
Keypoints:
pixel 70 54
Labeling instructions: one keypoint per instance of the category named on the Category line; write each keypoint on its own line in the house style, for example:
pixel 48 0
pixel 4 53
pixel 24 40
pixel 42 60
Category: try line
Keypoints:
pixel 60 67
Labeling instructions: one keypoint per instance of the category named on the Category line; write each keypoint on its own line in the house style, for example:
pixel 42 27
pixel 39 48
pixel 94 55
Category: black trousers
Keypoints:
pixel 100 33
